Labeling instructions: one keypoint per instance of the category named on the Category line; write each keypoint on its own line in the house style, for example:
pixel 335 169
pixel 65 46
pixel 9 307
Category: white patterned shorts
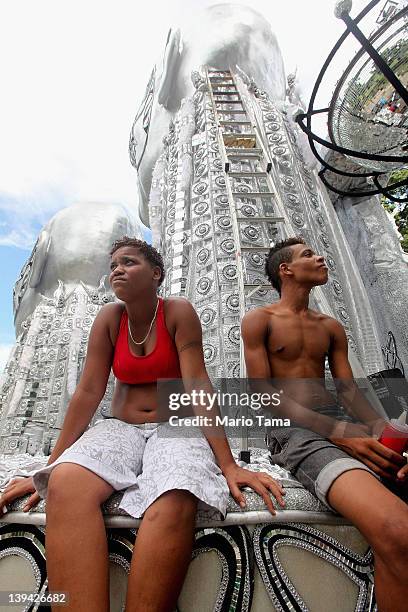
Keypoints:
pixel 146 460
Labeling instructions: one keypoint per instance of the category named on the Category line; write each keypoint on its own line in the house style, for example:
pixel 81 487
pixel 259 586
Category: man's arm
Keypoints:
pixel 254 331
pixel 348 392
pixel 382 460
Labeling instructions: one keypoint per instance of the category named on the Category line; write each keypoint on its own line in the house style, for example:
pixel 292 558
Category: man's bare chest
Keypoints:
pixel 291 339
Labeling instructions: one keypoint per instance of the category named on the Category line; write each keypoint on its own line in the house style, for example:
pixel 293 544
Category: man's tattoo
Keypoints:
pixel 190 344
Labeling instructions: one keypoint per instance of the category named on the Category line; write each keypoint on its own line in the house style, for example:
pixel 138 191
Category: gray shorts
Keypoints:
pixel 313 460
pixel 146 463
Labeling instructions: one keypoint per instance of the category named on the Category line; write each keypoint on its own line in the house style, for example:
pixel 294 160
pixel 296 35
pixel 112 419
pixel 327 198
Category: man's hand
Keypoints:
pixel 260 482
pixel 377 427
pixel 18 487
pixel 402 475
pixel 345 429
pixel 380 459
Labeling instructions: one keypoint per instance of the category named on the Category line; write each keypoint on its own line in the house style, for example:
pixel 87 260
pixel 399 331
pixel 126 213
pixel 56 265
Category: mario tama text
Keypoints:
pixel 255 421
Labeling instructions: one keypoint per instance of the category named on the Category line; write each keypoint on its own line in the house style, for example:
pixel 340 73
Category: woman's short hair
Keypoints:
pixel 150 253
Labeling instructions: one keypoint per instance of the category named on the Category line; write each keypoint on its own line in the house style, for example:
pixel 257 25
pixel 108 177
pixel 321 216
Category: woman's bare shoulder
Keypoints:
pixel 181 315
pixel 178 306
pixel 111 311
pixel 108 319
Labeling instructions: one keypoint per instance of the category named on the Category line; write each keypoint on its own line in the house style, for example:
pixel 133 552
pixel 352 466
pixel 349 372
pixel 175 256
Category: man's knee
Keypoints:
pixel 392 545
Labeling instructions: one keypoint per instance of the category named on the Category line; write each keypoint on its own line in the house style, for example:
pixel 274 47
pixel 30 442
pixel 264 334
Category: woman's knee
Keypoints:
pixel 70 483
pixel 176 508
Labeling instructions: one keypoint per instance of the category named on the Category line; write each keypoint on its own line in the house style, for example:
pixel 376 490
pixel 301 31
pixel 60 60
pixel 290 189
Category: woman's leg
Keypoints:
pixel 162 553
pixel 76 544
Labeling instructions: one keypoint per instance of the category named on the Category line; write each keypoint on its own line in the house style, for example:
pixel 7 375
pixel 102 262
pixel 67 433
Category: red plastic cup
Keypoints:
pixel 395 437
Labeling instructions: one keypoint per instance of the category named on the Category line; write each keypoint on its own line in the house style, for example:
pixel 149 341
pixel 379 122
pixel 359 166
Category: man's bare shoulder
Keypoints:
pixel 256 314
pixel 330 323
pixel 263 312
pixel 259 319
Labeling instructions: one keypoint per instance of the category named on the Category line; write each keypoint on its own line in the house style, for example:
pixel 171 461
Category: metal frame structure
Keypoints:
pixel 367 46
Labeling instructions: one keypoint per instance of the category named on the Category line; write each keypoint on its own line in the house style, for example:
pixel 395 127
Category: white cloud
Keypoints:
pixel 75 74
pixel 19 237
pixel 24 214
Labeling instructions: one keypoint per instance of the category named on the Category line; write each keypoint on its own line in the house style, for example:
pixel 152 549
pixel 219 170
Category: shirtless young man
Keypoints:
pixel 338 461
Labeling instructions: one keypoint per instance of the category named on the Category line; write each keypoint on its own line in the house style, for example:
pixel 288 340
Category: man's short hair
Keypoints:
pixel 278 254
pixel 149 252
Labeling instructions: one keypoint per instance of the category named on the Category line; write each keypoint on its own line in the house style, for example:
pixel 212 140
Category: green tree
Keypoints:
pixel 399 210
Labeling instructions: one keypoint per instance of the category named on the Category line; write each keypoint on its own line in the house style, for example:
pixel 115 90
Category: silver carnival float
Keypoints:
pixel 223 172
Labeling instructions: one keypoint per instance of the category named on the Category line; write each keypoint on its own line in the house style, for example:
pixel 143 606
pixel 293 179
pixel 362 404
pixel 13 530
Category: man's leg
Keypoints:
pixel 76 543
pixel 382 518
pixel 333 475
pixel 162 553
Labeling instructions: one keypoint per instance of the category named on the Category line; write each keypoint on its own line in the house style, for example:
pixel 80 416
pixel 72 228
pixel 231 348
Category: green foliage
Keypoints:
pixel 400 211
pixel 396 57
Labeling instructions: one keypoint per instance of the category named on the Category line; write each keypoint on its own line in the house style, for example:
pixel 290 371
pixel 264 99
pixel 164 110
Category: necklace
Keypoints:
pixel 149 330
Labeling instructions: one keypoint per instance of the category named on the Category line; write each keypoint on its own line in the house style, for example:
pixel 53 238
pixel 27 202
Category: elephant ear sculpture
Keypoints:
pixel 73 247
pixel 32 271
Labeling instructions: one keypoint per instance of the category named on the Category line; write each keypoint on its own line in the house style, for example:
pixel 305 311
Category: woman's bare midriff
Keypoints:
pixel 136 403
pixel 139 404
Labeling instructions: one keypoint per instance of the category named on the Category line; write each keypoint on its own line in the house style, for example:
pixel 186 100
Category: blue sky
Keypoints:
pixel 12 259
pixel 73 75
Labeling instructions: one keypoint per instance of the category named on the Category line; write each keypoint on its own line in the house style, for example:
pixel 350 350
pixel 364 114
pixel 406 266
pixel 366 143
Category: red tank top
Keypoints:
pixel 162 362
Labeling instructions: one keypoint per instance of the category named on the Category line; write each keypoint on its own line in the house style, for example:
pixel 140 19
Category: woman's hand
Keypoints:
pixel 260 482
pixel 18 487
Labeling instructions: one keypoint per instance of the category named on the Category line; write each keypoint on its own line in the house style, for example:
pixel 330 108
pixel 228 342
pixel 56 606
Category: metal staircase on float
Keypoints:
pixel 249 185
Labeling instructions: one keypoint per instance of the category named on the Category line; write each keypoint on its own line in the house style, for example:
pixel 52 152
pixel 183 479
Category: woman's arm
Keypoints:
pixel 189 344
pixel 188 339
